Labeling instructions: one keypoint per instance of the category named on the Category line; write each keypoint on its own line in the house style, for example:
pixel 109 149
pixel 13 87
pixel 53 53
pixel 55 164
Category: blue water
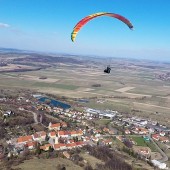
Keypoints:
pixel 55 103
pixel 83 100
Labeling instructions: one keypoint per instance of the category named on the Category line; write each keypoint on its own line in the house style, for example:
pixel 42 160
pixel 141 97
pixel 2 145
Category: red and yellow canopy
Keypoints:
pixel 82 22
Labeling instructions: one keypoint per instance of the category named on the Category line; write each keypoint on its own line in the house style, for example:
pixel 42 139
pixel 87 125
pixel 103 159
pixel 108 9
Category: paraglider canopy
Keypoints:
pixel 82 22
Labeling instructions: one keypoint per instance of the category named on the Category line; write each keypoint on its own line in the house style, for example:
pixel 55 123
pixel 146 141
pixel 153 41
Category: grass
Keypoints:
pixel 141 142
pixel 102 121
pixel 122 107
pixel 52 85
pixel 91 160
pixel 50 164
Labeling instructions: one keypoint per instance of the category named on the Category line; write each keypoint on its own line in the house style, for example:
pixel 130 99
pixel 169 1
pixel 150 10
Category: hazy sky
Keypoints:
pixel 46 25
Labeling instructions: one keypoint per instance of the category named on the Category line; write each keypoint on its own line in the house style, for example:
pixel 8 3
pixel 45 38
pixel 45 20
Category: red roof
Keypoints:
pixel 107 141
pixel 55 125
pixel 46 146
pixel 79 132
pixel 79 143
pixel 73 132
pixel 71 141
pixel 71 145
pixel 156 136
pixel 31 143
pixel 57 146
pixel 24 139
pixel 63 133
pixel 64 124
pixel 163 138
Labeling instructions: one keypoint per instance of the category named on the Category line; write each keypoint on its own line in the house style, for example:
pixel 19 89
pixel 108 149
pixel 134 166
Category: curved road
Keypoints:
pixel 34 115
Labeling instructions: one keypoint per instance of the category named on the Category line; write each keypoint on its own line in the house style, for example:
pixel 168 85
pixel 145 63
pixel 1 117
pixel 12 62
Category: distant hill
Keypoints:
pixel 12 50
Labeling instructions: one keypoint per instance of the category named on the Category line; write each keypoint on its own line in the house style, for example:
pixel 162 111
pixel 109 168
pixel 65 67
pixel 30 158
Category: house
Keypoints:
pixel 59 146
pixel 31 145
pixel 113 132
pixel 97 131
pixel 64 134
pixel 151 130
pixel 39 136
pixel 127 132
pixel 164 139
pixel 24 139
pixel 86 139
pixel 8 113
pixel 73 133
pixel 162 133
pixel 95 139
pixel 55 126
pixel 105 130
pixel 71 145
pixel 143 131
pixel 107 142
pixel 52 134
pixel 79 143
pixel 156 137
pixel 79 133
pixel 71 141
pixel 45 147
pixel 63 124
pixel 144 152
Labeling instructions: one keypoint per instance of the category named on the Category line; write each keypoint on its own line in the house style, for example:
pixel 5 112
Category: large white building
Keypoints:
pixel 102 114
pixel 159 164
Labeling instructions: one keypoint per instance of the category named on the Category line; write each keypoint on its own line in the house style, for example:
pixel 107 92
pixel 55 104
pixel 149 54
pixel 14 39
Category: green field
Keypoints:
pixel 141 142
pixel 53 85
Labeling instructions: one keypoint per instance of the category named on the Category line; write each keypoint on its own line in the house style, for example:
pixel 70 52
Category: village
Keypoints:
pixel 68 129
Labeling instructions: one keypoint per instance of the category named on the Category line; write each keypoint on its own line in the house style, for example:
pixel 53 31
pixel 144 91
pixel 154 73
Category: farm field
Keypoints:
pixel 126 89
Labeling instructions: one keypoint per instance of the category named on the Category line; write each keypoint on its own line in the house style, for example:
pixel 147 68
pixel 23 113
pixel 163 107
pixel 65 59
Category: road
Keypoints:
pixel 34 115
pixel 165 158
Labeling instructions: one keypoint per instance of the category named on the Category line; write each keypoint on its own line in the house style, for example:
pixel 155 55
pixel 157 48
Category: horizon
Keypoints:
pixel 87 55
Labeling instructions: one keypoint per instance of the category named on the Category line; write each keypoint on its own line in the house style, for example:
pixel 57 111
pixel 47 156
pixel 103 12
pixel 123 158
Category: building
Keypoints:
pixel 52 134
pixel 39 136
pixel 45 147
pixel 144 152
pixel 159 164
pixel 156 137
pixel 55 126
pixel 24 139
pixel 164 139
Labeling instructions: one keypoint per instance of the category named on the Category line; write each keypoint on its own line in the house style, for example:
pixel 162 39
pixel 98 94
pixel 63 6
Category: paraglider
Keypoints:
pixel 82 22
pixel 107 70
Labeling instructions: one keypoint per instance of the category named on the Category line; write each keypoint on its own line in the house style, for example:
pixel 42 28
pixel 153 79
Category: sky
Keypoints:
pixel 46 25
